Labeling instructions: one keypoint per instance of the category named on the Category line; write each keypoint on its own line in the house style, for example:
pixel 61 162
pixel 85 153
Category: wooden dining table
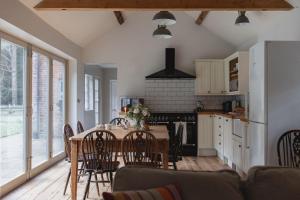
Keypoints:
pixel 160 132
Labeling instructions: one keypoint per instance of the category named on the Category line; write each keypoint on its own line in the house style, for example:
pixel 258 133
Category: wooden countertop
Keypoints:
pixel 221 113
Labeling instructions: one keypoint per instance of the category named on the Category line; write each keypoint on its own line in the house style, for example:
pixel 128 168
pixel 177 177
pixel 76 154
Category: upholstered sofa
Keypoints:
pixel 262 183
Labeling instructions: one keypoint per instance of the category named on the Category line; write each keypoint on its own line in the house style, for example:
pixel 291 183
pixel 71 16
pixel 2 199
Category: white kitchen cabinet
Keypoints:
pixel 203 73
pixel 217 82
pixel 205 135
pixel 218 135
pixel 236 68
pixel 227 138
pixel 246 145
pixel 237 156
pixel 209 77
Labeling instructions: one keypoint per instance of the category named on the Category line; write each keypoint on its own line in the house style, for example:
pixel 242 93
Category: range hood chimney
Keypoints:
pixel 170 72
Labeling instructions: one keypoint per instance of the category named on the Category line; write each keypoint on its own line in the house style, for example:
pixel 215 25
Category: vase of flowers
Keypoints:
pixel 139 114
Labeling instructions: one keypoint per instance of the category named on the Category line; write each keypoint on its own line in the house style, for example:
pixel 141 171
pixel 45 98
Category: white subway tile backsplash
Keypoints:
pixel 178 96
pixel 170 95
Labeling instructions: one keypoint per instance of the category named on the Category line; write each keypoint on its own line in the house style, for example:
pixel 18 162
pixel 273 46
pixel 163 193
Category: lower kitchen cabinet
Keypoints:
pixel 227 138
pixel 237 157
pixel 205 135
pixel 218 135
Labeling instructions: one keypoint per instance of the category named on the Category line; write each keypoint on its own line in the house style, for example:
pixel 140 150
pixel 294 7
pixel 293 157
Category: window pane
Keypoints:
pixel 40 108
pixel 96 101
pixel 58 81
pixel 12 113
pixel 89 95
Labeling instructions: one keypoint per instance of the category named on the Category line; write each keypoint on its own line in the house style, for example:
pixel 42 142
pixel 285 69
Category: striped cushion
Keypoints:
pixel 169 192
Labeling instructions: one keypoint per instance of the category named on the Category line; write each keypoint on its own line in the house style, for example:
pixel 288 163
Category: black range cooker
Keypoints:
pixel 170 119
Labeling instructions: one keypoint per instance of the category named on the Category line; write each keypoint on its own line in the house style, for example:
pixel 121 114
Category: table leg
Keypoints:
pixel 166 155
pixel 74 169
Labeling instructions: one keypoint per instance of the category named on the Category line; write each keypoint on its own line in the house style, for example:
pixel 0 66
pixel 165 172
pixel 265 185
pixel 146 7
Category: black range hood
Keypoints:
pixel 170 72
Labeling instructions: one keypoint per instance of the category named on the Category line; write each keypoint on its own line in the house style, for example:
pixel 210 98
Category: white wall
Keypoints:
pixel 136 54
pixel 285 28
pixel 108 75
pixel 18 20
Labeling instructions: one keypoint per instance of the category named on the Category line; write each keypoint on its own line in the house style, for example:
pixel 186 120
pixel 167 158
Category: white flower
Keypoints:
pixel 136 111
pixel 145 113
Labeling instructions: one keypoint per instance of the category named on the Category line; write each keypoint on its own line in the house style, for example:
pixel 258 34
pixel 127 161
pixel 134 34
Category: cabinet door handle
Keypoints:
pixel 220 135
pixel 220 126
pixel 208 92
pixel 219 143
pixel 226 120
pixel 240 146
pixel 220 118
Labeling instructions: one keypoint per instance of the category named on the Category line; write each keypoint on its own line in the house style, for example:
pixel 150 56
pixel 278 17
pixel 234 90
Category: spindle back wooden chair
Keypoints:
pixel 118 121
pixel 176 147
pixel 288 149
pixel 99 156
pixel 139 148
pixel 80 128
pixel 68 133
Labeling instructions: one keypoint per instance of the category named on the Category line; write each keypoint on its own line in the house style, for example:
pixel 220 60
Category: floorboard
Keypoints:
pixel 49 185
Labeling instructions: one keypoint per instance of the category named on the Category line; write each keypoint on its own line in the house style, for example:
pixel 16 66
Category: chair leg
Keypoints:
pixel 96 181
pixel 111 179
pixel 102 177
pixel 174 165
pixel 80 172
pixel 87 187
pixel 67 182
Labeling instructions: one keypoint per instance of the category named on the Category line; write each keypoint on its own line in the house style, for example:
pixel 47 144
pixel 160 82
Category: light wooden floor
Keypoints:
pixel 50 184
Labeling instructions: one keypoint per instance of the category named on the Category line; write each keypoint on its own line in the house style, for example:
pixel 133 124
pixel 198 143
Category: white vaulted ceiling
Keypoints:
pixel 83 27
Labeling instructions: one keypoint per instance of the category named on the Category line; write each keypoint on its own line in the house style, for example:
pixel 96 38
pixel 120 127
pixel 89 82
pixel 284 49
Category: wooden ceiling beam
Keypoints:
pixel 203 5
pixel 119 17
pixel 201 17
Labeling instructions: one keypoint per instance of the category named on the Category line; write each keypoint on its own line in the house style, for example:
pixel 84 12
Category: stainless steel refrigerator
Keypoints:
pixel 274 97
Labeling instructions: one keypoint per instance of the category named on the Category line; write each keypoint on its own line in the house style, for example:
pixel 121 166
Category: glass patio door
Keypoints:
pixel 12 111
pixel 32 110
pixel 40 109
pixel 58 106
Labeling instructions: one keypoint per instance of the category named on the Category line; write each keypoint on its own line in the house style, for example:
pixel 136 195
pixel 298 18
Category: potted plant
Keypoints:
pixel 139 114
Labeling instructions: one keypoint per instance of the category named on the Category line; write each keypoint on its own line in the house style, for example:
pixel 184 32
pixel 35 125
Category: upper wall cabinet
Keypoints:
pixel 237 73
pixel 210 79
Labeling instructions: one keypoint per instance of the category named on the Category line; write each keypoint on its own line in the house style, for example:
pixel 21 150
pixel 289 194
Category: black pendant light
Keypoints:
pixel 162 32
pixel 164 18
pixel 242 19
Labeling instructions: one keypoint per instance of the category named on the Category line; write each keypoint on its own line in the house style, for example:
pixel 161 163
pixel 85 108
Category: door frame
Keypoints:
pixel 110 96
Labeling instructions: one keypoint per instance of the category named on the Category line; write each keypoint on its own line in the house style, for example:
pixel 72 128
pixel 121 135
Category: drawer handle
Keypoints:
pixel 220 118
pixel 219 143
pixel 240 146
pixel 219 134
pixel 220 126
pixel 226 120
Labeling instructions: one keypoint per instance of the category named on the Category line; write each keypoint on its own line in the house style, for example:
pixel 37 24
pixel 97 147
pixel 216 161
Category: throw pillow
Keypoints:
pixel 168 192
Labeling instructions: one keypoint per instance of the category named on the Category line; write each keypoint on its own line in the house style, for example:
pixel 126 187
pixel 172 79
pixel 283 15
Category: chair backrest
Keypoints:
pixel 288 149
pixel 80 128
pixel 68 133
pixel 99 150
pixel 118 121
pixel 176 144
pixel 139 148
